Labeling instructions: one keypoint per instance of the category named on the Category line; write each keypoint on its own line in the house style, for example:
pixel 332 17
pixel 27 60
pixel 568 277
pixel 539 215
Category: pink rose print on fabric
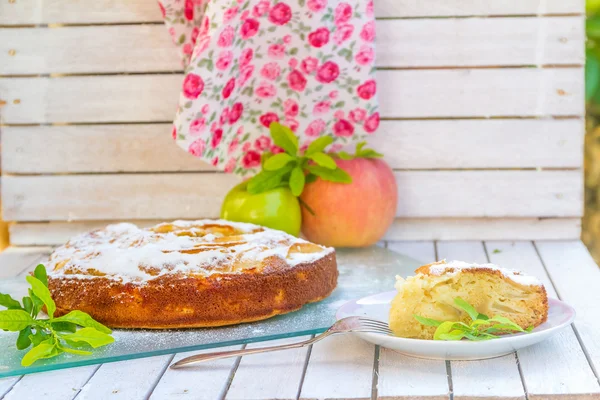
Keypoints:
pixel 280 14
pixel 251 159
pixel 319 38
pixel 197 126
pixel 249 28
pixel 368 32
pixel 277 51
pixel 315 128
pixel 297 81
pixel 260 8
pixel 265 90
pixel 270 71
pixel 367 90
pixel 365 56
pixel 343 128
pixel 224 60
pixel 197 148
pixel 263 143
pixel 308 64
pixel 343 13
pixel 193 85
pixel 343 33
pixel 372 123
pixel 316 5
pixel 228 88
pixel 328 72
pixel 268 118
pixel 226 37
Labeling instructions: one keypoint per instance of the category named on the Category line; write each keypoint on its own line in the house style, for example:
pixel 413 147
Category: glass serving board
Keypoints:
pixel 362 272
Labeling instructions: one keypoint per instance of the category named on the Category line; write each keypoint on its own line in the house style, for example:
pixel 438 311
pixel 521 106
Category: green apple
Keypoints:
pixel 276 208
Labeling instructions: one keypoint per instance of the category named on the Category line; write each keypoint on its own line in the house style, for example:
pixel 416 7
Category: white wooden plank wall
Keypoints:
pixel 490 86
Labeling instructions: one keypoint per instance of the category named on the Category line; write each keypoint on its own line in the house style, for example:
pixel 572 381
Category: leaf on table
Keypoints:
pixel 15 320
pixel 42 292
pixel 46 349
pixel 82 319
pixel 40 273
pixel 23 340
pixel 7 301
pixel 90 336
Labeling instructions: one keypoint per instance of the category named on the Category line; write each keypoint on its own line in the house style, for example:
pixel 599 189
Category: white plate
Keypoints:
pixel 377 307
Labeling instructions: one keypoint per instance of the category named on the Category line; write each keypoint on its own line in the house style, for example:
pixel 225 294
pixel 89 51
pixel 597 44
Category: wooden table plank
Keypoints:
pixel 558 365
pixel 6 384
pixel 340 367
pixel 486 378
pixel 576 278
pixel 208 380
pixel 130 380
pixel 14 260
pixel 275 375
pixel 402 376
pixel 56 385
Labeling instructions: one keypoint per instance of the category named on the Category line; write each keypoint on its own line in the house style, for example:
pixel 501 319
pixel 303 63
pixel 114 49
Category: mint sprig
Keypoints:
pixel 294 169
pixel 361 152
pixel 52 336
pixel 481 326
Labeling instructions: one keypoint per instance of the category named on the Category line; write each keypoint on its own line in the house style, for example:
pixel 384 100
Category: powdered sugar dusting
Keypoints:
pixel 127 253
pixel 514 275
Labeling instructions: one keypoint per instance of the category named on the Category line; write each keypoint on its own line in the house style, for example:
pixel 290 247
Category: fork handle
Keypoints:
pixel 243 352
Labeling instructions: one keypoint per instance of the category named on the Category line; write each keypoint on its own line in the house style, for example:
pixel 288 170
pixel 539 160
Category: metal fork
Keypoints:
pixel 349 324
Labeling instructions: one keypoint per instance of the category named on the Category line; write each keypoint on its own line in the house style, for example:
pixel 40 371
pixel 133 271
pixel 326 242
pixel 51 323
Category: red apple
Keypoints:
pixel 355 214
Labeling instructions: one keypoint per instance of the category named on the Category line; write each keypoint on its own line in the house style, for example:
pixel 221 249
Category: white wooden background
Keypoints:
pixel 483 118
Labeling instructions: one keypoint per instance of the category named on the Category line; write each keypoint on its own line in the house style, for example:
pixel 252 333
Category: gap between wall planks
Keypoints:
pixel 191 195
pixel 400 44
pixel 23 12
pixel 441 93
pixel 433 144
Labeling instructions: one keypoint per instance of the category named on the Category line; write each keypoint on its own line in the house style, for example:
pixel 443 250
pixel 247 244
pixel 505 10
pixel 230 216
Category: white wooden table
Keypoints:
pixel 564 367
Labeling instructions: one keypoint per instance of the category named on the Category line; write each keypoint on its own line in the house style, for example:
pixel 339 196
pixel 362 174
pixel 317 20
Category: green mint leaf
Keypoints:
pixel 332 175
pixel 284 138
pixel 7 301
pixel 277 161
pixel 75 351
pixel 42 292
pixel 319 145
pixel 483 316
pixel 38 337
pixel 267 180
pixel 369 153
pixel 15 320
pixel 46 349
pixel 466 307
pixel 82 319
pixel 345 155
pixel 445 327
pixel 40 273
pixel 496 251
pixel 23 340
pixel 359 147
pixel 264 157
pixel 90 336
pixel 27 304
pixel 63 326
pixel 427 321
pixel 37 303
pixel 297 180
pixel 453 335
pixel 310 178
pixel 323 160
pixel 478 322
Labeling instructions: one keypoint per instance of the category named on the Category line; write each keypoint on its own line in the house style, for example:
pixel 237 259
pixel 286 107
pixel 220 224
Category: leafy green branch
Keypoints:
pixel 481 326
pixel 52 336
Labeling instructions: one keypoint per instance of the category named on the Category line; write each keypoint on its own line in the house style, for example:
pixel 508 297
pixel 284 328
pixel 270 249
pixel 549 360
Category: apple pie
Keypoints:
pixel 492 290
pixel 186 274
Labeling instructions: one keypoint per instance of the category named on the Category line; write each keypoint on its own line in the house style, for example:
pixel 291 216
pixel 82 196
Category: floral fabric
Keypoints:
pixel 309 64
